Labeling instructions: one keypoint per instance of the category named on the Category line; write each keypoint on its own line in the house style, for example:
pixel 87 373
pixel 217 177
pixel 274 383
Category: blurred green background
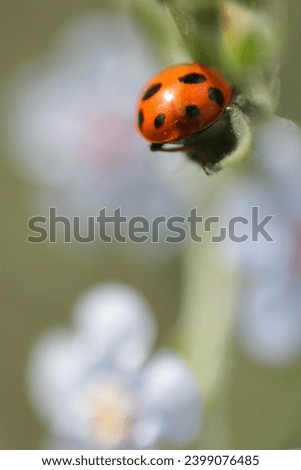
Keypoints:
pixel 39 283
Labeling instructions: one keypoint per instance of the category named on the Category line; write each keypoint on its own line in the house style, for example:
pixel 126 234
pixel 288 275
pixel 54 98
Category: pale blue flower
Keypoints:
pixel 268 321
pixel 95 386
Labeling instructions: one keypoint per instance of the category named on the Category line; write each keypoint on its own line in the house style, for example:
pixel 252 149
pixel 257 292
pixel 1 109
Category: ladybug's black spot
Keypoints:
pixel 159 121
pixel 216 95
pixel 151 91
pixel 192 78
pixel 192 111
pixel 140 118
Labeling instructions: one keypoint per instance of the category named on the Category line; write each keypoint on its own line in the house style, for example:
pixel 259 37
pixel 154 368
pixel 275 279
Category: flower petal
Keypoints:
pixel 269 326
pixel 55 364
pixel 170 391
pixel 116 322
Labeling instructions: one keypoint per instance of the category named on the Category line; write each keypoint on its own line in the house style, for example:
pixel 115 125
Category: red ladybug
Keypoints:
pixel 194 107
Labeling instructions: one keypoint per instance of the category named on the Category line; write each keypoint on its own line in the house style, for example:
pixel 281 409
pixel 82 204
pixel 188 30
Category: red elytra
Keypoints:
pixel 180 101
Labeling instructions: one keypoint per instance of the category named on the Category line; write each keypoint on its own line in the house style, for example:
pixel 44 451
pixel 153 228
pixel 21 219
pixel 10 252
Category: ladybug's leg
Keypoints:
pixel 191 151
pixel 160 148
pixel 155 147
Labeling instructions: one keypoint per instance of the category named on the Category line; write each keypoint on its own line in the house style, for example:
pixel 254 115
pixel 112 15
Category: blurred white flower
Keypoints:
pixel 269 310
pixel 269 320
pixel 72 129
pixel 94 387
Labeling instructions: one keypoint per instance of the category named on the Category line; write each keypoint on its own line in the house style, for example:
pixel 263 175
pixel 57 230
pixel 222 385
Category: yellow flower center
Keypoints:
pixel 110 414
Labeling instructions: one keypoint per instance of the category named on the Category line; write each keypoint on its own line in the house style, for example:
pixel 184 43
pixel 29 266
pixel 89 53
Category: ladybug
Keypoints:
pixel 192 108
